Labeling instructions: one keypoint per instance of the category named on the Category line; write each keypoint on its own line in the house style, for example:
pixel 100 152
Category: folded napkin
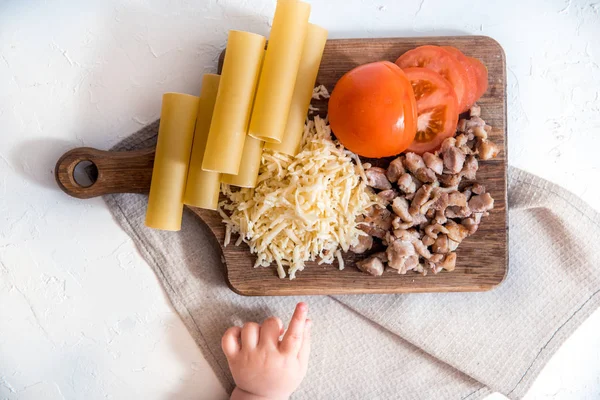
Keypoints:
pixel 429 346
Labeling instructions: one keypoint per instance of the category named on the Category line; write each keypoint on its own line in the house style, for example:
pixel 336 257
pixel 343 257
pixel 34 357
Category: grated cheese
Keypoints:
pixel 304 208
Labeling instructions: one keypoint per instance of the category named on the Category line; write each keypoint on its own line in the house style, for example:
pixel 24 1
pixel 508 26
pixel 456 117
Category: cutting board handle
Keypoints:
pixel 117 171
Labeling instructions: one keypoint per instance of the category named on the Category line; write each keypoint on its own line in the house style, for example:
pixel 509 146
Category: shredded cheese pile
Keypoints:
pixel 304 208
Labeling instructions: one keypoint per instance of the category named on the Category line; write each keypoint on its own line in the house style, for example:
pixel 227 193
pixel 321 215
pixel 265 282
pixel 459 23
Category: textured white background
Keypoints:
pixel 81 314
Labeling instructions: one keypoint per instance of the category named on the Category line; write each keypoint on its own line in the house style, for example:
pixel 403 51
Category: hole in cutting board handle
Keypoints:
pixel 85 173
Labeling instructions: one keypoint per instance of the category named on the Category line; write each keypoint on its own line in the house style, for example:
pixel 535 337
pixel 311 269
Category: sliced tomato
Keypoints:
pixel 442 62
pixel 471 92
pixel 437 109
pixel 481 73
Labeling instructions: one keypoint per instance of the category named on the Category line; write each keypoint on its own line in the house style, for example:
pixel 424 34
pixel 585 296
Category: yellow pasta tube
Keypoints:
pixel 175 134
pixel 278 75
pixel 229 125
pixel 249 167
pixel 202 187
pixel 312 52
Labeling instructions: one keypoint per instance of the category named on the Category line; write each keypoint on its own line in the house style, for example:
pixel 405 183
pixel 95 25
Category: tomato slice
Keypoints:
pixel 481 74
pixel 442 62
pixel 471 93
pixel 437 109
pixel 372 110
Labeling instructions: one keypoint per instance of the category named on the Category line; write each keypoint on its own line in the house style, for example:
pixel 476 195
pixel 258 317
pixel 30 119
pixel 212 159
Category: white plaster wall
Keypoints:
pixel 81 314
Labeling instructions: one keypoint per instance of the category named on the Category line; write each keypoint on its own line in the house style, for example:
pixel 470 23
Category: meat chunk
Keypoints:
pixel 450 180
pixel 413 162
pixel 441 201
pixel 441 245
pixel 456 198
pixel 371 265
pixel 458 212
pixel 461 140
pixel 487 150
pixel 408 235
pixel 440 217
pixel 426 175
pixel 475 111
pixel 377 222
pixel 480 132
pixel 462 125
pixel 400 208
pixel 449 262
pixel 447 143
pixel 397 252
pixel 421 249
pixel 395 170
pixel 387 196
pixel 470 168
pixel 433 230
pixel 434 163
pixel 474 122
pixel 456 232
pixel 365 242
pixel 376 178
pixel 428 240
pixel 420 198
pixel 407 184
pixel 481 203
pixel 471 224
pixel 477 188
pixel 454 159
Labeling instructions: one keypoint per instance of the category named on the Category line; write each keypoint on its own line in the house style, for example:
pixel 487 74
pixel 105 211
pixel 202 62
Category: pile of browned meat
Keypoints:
pixel 426 208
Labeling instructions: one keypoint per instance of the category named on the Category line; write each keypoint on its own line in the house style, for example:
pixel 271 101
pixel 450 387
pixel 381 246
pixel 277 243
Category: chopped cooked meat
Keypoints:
pixel 470 168
pixel 449 180
pixel 436 258
pixel 456 198
pixel 365 242
pixel 430 214
pixel 411 262
pixel 400 207
pixel 454 159
pixel 419 219
pixel 371 265
pixel 481 203
pixel 449 262
pixel 387 196
pixel 452 245
pixel 433 230
pixel 421 249
pixel 477 188
pixel 376 178
pixel 458 212
pixel 440 217
pixel 488 129
pixel 462 125
pixel 413 162
pixel 480 132
pixel 447 143
pixel 395 170
pixel 461 140
pixel 428 240
pixel 441 201
pixel 456 232
pixel 434 267
pixel 425 175
pixel 378 222
pixel 487 150
pixel 441 245
pixel 420 198
pixel 382 255
pixel 397 252
pixel 474 122
pixel 408 235
pixel 407 184
pixel 470 224
pixel 398 223
pixel 434 163
pixel 475 111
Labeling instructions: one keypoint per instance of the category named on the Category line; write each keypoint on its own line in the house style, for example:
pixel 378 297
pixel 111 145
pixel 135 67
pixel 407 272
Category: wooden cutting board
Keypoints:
pixel 482 258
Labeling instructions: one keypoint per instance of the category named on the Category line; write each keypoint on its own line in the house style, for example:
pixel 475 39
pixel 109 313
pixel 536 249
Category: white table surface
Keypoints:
pixel 81 314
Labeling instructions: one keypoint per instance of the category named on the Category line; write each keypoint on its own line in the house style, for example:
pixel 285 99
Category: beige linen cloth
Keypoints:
pixel 417 346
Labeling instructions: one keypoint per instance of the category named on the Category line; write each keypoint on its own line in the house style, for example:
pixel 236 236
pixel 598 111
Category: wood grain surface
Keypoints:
pixel 482 258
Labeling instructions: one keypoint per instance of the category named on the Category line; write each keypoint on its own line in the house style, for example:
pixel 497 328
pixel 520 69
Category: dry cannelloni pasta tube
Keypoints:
pixel 249 167
pixel 202 187
pixel 229 125
pixel 175 134
pixel 278 75
pixel 314 44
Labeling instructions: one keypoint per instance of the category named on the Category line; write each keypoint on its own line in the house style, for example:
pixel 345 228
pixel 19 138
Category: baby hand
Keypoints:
pixel 263 366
